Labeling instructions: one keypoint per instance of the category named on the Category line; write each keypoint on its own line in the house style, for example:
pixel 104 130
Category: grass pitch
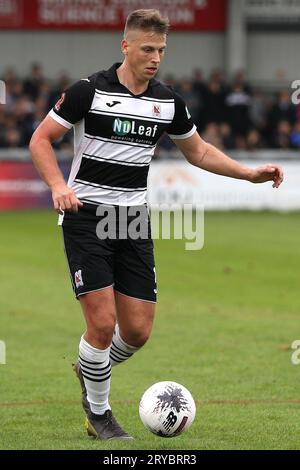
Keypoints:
pixel 226 318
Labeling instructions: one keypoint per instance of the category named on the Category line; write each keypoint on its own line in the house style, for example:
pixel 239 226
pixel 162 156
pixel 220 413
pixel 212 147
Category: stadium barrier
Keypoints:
pixel 171 181
pixel 182 183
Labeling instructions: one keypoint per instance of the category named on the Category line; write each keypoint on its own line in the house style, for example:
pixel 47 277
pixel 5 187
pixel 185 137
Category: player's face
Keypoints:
pixel 144 52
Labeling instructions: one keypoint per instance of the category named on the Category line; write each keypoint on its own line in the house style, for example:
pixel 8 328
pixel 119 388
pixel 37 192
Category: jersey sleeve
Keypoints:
pixel 182 125
pixel 73 104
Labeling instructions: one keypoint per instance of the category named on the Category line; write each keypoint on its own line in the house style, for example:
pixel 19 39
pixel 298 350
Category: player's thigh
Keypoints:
pixel 99 309
pixel 135 318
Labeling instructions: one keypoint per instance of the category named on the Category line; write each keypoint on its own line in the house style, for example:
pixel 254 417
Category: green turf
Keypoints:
pixel 226 318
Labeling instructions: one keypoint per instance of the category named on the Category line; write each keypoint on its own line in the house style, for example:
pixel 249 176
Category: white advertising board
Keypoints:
pixel 181 183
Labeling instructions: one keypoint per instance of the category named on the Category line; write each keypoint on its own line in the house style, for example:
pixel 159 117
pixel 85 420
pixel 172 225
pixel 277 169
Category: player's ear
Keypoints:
pixel 124 46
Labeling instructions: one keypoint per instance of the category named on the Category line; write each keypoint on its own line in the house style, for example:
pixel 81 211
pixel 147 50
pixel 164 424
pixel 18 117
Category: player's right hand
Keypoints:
pixel 64 198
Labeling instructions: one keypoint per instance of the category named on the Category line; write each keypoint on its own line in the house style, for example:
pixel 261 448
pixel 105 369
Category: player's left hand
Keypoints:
pixel 267 172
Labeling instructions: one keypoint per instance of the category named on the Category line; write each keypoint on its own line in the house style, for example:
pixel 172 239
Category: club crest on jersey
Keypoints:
pixel 156 111
pixel 78 278
pixel 60 102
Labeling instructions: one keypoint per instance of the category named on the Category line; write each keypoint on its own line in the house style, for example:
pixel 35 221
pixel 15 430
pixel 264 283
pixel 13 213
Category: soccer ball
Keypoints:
pixel 167 409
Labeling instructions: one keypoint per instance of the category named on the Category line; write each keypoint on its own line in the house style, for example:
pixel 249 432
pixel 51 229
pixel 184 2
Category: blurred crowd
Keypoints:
pixel 228 114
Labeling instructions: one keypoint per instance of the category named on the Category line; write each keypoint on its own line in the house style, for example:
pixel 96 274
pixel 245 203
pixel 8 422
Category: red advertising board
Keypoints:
pixel 22 188
pixel 184 15
pixel 11 14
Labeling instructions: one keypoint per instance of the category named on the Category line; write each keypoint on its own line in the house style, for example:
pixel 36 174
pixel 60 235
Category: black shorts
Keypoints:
pixel 116 260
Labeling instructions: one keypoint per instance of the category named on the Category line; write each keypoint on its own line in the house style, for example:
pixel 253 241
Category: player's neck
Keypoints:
pixel 130 81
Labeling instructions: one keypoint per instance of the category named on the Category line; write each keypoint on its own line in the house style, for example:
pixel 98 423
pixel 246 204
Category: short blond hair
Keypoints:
pixel 147 20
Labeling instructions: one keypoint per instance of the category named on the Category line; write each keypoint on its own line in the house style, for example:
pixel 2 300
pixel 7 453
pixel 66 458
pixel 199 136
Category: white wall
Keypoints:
pixel 82 53
pixel 187 51
pixel 269 53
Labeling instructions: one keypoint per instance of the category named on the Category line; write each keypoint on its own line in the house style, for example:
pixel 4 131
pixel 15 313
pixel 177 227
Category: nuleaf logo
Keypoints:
pixel 121 127
pixel 125 127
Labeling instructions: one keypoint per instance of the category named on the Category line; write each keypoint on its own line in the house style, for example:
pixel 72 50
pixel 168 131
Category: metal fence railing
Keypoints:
pixel 23 155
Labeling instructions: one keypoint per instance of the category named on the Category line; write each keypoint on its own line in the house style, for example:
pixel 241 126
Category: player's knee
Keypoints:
pixel 138 338
pixel 102 331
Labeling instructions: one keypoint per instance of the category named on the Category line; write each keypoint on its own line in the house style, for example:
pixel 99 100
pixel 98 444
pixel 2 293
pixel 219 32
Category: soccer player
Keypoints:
pixel 118 115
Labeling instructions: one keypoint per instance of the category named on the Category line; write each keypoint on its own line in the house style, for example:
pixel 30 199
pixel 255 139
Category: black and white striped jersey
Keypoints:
pixel 115 134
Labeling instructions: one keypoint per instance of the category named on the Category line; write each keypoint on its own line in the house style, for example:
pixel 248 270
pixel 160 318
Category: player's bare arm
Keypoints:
pixel 45 162
pixel 203 155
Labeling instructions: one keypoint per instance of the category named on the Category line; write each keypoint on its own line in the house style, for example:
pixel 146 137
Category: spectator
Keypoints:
pixel 33 83
pixel 200 89
pixel 227 137
pixel 281 138
pixel 62 84
pixel 254 140
pixel 240 142
pixel 229 117
pixel 238 103
pixel 282 110
pixel 212 135
pixel 215 105
pixel 257 110
pixel 239 81
pixel 295 136
pixel 12 138
pixel 191 98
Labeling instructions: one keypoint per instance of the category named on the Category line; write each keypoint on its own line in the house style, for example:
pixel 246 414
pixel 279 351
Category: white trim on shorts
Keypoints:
pixel 94 290
pixel 136 298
